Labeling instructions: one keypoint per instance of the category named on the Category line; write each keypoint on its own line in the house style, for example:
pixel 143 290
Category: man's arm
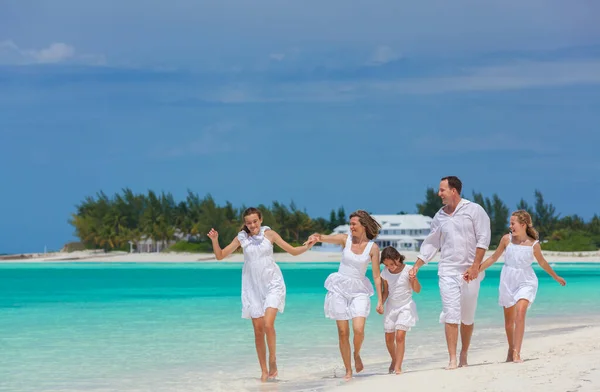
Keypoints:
pixel 483 235
pixel 429 247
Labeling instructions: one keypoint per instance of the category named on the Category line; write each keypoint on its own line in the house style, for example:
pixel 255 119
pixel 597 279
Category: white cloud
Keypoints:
pixel 277 56
pixel 57 52
pixel 383 54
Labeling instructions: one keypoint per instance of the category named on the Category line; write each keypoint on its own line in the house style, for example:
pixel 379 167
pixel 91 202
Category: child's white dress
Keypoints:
pixel 517 279
pixel 349 290
pixel 262 282
pixel 400 309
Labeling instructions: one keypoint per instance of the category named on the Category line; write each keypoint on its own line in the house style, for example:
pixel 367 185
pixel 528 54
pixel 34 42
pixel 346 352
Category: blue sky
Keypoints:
pixel 326 104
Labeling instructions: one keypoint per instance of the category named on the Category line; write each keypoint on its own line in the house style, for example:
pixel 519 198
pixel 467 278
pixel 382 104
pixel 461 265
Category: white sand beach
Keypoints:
pixel 564 358
pixel 311 256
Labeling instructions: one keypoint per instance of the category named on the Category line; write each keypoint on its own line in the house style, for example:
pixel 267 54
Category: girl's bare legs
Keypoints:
pixel 270 315
pixel 261 348
pixel 344 338
pixel 358 327
pixel 521 311
pixel 400 345
pixel 509 326
pixel 390 343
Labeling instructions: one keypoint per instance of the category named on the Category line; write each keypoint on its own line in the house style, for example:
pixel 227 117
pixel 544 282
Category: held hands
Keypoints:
pixel 560 281
pixel 471 274
pixel 213 234
pixel 313 239
pixel 412 274
pixel 379 308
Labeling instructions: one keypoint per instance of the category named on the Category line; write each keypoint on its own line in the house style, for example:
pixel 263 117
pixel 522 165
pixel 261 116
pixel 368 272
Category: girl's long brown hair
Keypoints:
pixel 250 211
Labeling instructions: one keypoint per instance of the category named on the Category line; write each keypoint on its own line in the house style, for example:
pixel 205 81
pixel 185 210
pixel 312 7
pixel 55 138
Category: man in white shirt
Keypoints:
pixel 461 231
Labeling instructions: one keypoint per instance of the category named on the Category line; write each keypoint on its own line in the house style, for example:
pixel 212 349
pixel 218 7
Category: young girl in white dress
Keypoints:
pixel 518 282
pixel 400 309
pixel 263 288
pixel 349 290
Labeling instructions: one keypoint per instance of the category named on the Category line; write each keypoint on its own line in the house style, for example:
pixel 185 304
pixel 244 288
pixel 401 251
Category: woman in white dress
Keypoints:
pixel 349 290
pixel 263 288
pixel 400 310
pixel 518 282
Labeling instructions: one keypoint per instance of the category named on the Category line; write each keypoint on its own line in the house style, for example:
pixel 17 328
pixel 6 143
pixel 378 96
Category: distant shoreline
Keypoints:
pixel 310 257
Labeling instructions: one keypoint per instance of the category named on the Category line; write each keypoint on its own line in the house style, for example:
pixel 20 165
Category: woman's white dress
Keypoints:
pixel 349 290
pixel 262 282
pixel 400 309
pixel 517 279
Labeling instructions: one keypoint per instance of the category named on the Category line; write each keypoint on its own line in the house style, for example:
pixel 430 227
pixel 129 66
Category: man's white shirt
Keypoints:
pixel 458 236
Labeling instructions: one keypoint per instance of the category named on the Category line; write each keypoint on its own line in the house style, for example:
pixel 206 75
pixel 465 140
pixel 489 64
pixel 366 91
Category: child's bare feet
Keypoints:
pixel 392 367
pixel 273 368
pixel 358 363
pixel 517 357
pixel 398 371
pixel 452 365
pixel 509 355
pixel 264 376
pixel 463 359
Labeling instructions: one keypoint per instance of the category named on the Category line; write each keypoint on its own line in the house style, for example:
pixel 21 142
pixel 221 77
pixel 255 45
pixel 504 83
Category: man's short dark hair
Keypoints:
pixel 454 182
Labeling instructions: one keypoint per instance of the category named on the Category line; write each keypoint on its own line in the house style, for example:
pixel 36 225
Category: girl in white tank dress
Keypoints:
pixel 349 290
pixel 400 313
pixel 518 281
pixel 263 288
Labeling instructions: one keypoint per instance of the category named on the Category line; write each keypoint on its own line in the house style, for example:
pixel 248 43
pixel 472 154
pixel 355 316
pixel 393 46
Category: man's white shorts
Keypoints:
pixel 459 299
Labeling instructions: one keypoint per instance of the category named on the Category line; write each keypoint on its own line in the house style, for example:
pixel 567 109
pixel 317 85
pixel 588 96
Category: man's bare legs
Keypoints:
pixel 400 345
pixel 390 343
pixel 452 341
pixel 269 318
pixel 344 339
pixel 520 312
pixel 358 327
pixel 466 332
pixel 509 326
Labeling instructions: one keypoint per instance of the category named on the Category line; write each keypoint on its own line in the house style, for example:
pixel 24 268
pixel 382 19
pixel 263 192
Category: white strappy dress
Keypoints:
pixel 262 281
pixel 517 279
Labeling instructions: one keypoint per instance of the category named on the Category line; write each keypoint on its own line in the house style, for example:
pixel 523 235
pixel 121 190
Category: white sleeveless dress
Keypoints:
pixel 262 282
pixel 349 290
pixel 400 309
pixel 517 279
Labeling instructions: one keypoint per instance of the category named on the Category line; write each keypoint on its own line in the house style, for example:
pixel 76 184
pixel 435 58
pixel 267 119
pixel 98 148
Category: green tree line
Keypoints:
pixel 568 233
pixel 109 223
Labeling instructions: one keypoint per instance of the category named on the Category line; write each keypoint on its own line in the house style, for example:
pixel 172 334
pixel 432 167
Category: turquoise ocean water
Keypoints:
pixel 178 327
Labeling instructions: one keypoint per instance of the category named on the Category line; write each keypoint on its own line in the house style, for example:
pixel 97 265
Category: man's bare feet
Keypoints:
pixel 509 355
pixel 358 363
pixel 273 369
pixel 264 377
pixel 391 368
pixel 517 357
pixel 452 365
pixel 463 359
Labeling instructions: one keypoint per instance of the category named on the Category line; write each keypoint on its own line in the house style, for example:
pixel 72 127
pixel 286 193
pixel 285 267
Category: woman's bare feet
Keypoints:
pixel 264 376
pixel 517 357
pixel 398 371
pixel 348 375
pixel 509 355
pixel 452 365
pixel 463 359
pixel 358 363
pixel 391 368
pixel 273 369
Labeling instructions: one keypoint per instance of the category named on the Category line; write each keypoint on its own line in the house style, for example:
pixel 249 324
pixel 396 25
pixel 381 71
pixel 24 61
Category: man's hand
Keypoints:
pixel 472 273
pixel 379 308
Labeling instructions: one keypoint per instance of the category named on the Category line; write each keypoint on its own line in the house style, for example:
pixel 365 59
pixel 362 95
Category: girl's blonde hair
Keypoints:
pixel 524 218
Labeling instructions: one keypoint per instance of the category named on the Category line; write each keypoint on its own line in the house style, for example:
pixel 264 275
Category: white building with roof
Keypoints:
pixel 403 232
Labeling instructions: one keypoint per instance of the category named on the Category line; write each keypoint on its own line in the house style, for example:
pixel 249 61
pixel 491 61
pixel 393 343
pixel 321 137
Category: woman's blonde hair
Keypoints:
pixel 524 218
pixel 368 222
